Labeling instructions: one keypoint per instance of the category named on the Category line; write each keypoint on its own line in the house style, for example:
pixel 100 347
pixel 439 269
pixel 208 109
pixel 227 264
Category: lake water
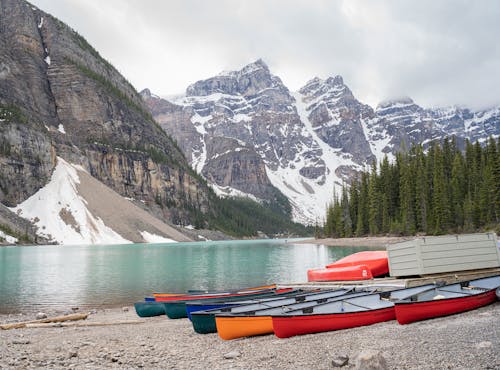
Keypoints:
pixel 34 278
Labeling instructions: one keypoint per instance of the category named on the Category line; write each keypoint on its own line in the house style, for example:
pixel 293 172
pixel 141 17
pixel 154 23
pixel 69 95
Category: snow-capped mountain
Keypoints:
pixel 247 134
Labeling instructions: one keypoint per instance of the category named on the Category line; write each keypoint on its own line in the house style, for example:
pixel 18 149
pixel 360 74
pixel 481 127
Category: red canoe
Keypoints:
pixel 447 300
pixel 376 261
pixel 161 297
pixel 348 313
pixel 358 272
pixel 357 266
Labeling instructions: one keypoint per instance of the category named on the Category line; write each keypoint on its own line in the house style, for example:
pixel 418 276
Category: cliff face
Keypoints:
pixel 59 97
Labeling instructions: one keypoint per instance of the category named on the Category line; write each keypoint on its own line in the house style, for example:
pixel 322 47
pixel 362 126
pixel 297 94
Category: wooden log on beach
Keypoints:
pixel 18 325
pixel 83 324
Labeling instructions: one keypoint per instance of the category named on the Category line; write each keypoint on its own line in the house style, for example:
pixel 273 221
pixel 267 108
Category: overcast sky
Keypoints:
pixel 437 52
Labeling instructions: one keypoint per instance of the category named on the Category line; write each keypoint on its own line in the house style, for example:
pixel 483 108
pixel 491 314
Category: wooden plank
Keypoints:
pixel 459 246
pixel 473 261
pixel 464 254
pixel 451 268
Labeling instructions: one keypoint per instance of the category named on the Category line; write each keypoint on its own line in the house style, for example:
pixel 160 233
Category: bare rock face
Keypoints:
pixel 337 116
pixel 59 97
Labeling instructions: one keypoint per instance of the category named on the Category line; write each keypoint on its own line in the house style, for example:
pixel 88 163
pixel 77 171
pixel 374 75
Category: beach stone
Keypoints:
pixel 21 341
pixel 125 309
pixel 484 344
pixel 74 309
pixel 72 354
pixel 41 315
pixel 370 360
pixel 340 361
pixel 93 312
pixel 231 355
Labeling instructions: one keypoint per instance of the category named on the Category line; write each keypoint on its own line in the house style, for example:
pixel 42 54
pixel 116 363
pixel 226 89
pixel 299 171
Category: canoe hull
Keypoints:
pixel 359 272
pixel 408 312
pixel 285 327
pixel 204 323
pixel 243 326
pixel 376 261
pixel 149 309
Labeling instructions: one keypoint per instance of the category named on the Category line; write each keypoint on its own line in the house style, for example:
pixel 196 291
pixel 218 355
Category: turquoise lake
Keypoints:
pixel 34 278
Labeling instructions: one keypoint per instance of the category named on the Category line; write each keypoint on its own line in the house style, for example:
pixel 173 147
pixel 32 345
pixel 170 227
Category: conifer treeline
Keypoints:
pixel 439 191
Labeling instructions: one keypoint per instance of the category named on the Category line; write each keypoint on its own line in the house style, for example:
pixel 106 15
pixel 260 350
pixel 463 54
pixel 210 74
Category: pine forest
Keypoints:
pixel 428 192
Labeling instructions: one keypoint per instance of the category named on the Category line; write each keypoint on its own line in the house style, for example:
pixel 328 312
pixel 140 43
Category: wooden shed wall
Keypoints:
pixel 448 253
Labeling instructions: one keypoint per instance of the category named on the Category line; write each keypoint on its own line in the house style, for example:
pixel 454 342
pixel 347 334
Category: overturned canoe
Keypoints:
pixel 358 266
pixel 376 261
pixel 447 300
pixel 358 272
pixel 205 321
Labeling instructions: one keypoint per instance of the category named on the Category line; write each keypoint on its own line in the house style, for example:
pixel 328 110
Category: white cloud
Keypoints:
pixel 437 52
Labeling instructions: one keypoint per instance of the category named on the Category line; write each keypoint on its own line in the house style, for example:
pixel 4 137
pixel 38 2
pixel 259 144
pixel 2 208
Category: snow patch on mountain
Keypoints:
pixel 61 214
pixel 227 191
pixel 310 197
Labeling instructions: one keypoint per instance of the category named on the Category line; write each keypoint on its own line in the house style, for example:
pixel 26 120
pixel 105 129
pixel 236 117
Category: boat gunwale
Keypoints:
pixel 406 302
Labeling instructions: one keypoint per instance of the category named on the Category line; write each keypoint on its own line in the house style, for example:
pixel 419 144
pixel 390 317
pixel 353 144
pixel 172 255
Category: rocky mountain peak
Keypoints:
pixel 146 93
pixel 251 88
pixel 335 81
pixel 331 88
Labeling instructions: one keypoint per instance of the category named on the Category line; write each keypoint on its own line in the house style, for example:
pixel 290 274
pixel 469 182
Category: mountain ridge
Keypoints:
pixel 323 129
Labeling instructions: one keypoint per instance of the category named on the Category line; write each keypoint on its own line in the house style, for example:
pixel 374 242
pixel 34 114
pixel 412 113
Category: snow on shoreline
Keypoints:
pixel 153 238
pixel 61 214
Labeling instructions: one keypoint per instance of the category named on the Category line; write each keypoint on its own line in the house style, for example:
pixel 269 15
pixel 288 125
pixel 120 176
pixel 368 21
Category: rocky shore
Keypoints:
pixel 466 341
pixel 368 241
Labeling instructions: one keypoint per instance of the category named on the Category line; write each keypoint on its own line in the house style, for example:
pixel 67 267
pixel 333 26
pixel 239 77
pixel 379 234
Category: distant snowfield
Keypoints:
pixel 61 214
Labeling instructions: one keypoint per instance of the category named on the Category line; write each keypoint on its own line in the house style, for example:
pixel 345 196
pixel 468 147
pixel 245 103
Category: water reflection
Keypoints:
pixel 32 278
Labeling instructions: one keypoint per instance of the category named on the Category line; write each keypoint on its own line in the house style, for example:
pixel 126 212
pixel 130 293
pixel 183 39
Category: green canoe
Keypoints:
pixel 148 309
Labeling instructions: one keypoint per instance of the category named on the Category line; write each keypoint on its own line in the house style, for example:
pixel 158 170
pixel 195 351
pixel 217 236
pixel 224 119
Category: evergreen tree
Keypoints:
pixel 363 206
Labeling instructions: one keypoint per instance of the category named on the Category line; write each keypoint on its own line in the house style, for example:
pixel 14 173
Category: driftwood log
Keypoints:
pixel 80 324
pixel 23 324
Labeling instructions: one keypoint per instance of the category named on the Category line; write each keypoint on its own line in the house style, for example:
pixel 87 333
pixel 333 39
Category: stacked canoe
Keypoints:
pixel 158 304
pixel 358 266
pixel 288 313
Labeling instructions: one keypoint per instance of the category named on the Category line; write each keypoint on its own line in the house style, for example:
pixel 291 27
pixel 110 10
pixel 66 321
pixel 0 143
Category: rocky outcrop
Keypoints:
pixel 338 117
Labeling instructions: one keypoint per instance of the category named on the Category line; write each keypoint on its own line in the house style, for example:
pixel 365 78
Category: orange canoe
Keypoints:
pixel 232 327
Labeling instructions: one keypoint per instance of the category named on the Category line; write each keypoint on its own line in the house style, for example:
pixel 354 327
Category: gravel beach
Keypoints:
pixel 469 340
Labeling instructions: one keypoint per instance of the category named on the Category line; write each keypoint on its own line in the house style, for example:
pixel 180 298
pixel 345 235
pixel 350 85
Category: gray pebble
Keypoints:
pixel 340 361
pixel 370 360
pixel 41 315
pixel 232 354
